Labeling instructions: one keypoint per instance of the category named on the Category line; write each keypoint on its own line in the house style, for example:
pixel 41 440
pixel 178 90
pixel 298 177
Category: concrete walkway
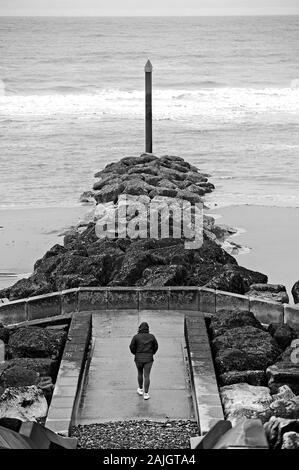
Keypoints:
pixel 110 392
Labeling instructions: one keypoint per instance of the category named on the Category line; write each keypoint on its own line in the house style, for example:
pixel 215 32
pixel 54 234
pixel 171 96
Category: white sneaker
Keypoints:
pixel 146 396
pixel 140 391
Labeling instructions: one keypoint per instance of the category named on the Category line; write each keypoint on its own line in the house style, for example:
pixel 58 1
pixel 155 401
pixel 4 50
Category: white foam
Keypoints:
pixel 211 105
pixel 295 83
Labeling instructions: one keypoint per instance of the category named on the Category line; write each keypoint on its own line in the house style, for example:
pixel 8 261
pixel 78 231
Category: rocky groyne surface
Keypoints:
pixel 87 259
pixel 258 373
pixel 28 373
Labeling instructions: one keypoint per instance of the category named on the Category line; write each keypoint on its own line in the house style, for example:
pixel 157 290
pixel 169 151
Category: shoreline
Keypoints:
pixel 26 234
pixel 270 234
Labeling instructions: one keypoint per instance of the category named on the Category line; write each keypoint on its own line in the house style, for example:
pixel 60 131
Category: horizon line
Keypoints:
pixel 145 16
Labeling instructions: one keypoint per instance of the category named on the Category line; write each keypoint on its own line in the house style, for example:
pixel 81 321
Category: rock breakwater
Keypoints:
pixel 85 259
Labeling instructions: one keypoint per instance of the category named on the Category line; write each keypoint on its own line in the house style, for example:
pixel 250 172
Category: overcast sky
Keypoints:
pixel 148 7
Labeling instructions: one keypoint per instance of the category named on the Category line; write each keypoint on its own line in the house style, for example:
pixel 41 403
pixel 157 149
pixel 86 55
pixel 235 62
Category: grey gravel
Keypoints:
pixel 141 434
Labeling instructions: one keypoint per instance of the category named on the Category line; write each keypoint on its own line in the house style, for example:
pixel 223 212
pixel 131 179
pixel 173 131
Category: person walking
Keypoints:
pixel 144 345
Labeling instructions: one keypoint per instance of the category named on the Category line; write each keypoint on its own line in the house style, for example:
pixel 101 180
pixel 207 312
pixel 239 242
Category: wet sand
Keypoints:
pixel 271 233
pixel 26 234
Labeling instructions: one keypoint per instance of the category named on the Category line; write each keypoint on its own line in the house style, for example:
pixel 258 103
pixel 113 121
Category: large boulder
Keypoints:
pixel 212 252
pixel 271 292
pixel 244 348
pixel 109 192
pixel 17 376
pixel 44 366
pixel 286 370
pixel 94 269
pixel 24 403
pixel 290 440
pixel 71 281
pixel 36 342
pixel 87 197
pixel 285 404
pixel 282 333
pixel 27 287
pixel 242 400
pixel 195 177
pixel 174 254
pixel 163 191
pixel 133 265
pixel 245 401
pixel 227 319
pixel 142 159
pixel 172 175
pixel 295 292
pixel 153 180
pixel 171 275
pixel 276 427
pixel 251 377
pixel 197 189
pixel 164 183
pixel 143 169
pixel 56 250
pixel 189 196
pixel 236 279
pixel 105 180
pixel 117 168
pixel 137 188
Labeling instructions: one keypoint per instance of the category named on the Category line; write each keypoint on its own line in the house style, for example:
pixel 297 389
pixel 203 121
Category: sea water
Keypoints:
pixel 226 98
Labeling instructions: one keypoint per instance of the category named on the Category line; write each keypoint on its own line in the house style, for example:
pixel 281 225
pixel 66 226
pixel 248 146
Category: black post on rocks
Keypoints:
pixel 148 108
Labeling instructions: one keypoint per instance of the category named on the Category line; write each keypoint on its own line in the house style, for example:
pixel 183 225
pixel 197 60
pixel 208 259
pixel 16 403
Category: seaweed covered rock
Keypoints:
pixel 44 366
pixel 227 319
pixel 171 275
pixel 282 333
pixel 36 342
pixel 244 348
pixel 17 376
pixel 251 377
pixel 236 279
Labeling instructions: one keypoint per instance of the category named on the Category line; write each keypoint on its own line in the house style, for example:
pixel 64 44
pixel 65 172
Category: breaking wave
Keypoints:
pixel 215 103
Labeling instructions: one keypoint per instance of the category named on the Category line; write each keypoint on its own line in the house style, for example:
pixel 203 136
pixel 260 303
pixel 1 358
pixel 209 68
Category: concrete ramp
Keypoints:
pixel 110 390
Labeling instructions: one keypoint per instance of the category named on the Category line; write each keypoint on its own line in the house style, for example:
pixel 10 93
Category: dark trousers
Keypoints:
pixel 144 369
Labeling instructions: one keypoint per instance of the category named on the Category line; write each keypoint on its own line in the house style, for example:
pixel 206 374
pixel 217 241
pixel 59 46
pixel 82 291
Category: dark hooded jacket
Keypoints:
pixel 144 345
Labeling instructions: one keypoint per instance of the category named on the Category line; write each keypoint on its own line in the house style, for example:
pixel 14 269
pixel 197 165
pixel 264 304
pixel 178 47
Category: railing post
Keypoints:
pixel 148 108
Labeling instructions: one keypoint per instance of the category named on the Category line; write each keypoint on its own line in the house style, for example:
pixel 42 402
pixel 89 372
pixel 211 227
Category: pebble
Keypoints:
pixel 141 434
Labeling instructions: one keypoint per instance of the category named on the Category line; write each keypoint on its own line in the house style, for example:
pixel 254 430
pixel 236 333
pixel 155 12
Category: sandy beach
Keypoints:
pixel 271 233
pixel 26 234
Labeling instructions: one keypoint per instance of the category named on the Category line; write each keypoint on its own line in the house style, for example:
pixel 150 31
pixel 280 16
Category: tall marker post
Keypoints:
pixel 148 108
